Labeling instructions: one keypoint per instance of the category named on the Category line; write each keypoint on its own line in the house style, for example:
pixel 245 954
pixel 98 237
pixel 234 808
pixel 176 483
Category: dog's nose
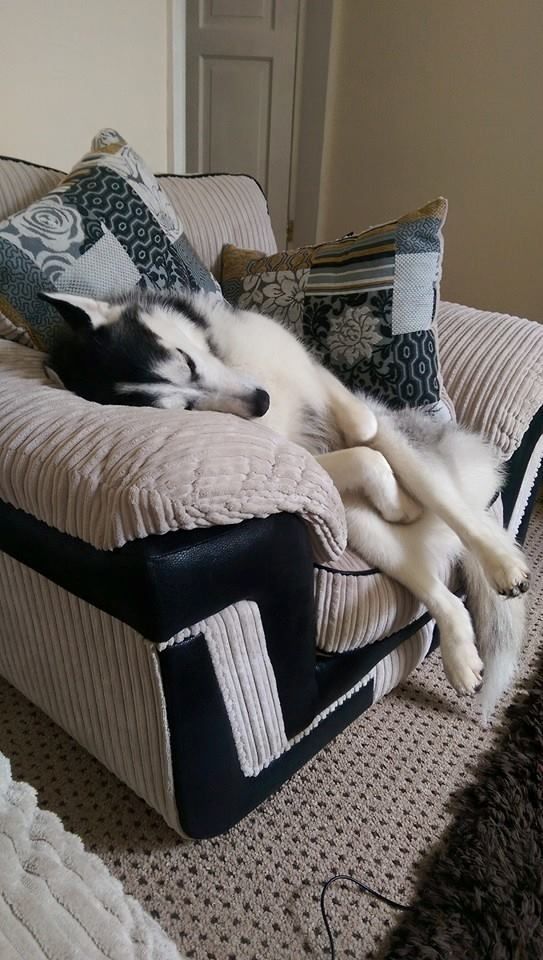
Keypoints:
pixel 261 402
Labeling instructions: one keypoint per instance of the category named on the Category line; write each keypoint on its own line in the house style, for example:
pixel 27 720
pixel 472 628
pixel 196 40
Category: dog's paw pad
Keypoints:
pixel 509 574
pixel 463 668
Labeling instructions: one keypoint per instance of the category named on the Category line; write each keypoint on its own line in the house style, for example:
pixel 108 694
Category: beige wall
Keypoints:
pixel 69 67
pixel 430 97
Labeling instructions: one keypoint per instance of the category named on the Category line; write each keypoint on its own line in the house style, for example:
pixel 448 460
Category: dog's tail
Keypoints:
pixel 499 625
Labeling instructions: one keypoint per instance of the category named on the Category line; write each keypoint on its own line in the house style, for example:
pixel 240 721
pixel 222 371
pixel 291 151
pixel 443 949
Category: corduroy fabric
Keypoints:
pixel 396 667
pixel 237 646
pixel 95 676
pixel 21 183
pixel 100 680
pixel 356 605
pixel 492 365
pixel 220 209
pixel 529 480
pixel 112 474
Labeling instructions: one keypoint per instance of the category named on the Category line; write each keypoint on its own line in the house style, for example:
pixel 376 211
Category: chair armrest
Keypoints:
pixel 108 475
pixel 492 367
pixel 216 675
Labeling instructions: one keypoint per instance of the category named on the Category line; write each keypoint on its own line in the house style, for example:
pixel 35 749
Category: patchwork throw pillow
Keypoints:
pixel 105 228
pixel 365 304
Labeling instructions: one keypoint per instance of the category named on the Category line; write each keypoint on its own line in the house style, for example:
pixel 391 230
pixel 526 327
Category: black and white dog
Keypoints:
pixel 415 492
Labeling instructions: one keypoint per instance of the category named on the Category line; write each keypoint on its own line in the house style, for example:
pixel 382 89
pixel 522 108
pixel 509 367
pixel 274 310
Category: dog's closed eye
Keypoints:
pixel 190 363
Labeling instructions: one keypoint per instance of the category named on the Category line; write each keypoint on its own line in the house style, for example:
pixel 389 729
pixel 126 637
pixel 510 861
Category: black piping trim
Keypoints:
pixel 176 176
pixel 173 176
pixel 348 573
pixel 30 163
pixel 376 651
pixel 202 176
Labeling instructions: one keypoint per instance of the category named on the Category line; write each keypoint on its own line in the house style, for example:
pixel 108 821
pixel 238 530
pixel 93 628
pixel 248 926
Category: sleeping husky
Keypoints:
pixel 415 491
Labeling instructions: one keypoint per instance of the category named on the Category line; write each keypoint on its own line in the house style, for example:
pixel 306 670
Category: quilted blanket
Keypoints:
pixel 112 474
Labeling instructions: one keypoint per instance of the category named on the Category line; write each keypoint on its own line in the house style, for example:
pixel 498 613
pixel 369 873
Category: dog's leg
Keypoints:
pixel 355 421
pixel 408 554
pixel 362 470
pixel 503 562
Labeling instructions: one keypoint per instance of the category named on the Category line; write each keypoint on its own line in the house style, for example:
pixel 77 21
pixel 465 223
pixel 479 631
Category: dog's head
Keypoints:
pixel 147 349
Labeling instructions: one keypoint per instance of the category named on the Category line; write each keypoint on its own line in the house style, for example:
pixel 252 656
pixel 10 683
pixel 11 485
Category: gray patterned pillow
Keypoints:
pixel 365 304
pixel 107 227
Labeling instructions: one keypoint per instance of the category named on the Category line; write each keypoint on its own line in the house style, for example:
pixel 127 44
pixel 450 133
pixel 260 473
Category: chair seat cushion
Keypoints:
pixel 357 605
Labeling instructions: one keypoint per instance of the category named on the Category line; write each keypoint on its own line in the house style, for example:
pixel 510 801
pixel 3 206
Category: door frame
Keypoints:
pixel 308 135
pixel 176 121
pixel 314 41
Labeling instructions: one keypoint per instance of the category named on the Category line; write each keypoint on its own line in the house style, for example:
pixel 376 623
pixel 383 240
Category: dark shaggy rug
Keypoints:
pixel 480 896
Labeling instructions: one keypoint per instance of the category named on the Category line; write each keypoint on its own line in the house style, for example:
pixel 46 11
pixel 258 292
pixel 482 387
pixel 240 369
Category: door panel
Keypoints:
pixel 242 10
pixel 236 140
pixel 241 58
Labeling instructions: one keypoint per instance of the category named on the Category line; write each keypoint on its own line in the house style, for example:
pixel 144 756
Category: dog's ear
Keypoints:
pixel 81 313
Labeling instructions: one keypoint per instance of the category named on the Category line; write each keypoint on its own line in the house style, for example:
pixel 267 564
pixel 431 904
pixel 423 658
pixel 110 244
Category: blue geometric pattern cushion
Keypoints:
pixel 364 304
pixel 106 228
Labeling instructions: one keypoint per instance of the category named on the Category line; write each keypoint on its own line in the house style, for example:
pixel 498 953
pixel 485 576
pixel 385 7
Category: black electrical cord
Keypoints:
pixel 366 889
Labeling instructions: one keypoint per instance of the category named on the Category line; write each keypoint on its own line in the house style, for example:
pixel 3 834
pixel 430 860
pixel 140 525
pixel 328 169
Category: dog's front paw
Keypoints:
pixel 508 572
pixel 463 667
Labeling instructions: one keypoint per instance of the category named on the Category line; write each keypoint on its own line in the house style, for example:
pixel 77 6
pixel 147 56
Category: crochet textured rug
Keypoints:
pixel 56 900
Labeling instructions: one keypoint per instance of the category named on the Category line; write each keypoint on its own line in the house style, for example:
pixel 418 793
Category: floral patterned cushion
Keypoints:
pixel 108 226
pixel 366 304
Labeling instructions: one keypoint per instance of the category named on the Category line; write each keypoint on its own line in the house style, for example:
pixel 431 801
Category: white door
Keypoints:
pixel 241 62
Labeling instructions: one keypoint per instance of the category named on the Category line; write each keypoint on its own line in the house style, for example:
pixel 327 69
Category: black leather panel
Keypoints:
pixel 212 792
pixel 516 468
pixel 113 581
pixel 164 583
pixel 335 673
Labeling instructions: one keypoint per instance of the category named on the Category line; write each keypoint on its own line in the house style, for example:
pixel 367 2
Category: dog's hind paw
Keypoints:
pixel 508 572
pixel 463 667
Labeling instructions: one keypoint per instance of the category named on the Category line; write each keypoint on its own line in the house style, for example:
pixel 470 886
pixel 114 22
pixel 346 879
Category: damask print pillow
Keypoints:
pixel 107 227
pixel 365 304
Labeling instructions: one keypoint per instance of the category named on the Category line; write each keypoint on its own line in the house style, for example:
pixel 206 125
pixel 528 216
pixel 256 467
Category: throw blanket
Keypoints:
pixel 112 474
pixel 57 900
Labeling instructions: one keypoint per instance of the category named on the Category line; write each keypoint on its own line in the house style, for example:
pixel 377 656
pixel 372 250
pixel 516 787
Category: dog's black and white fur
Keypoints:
pixel 416 492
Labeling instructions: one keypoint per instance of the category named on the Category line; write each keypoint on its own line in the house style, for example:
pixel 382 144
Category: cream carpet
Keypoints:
pixel 369 805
